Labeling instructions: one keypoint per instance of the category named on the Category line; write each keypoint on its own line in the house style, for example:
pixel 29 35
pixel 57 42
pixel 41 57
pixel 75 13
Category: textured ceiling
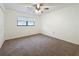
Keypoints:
pixel 24 7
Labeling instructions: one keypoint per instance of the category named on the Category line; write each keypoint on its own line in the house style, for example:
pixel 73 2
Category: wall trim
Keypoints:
pixel 58 38
pixel 24 36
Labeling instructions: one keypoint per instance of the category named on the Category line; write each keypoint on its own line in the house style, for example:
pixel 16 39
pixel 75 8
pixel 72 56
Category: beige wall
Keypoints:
pixel 1 26
pixel 62 24
pixel 14 31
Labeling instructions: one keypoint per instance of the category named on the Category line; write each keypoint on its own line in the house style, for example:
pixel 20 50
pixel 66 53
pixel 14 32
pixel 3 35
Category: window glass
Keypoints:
pixel 25 21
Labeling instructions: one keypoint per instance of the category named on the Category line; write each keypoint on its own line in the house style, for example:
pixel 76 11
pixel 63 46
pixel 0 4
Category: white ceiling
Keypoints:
pixel 24 7
pixel 18 7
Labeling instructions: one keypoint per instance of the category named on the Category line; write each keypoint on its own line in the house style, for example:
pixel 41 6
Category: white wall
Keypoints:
pixel 62 24
pixel 1 26
pixel 14 31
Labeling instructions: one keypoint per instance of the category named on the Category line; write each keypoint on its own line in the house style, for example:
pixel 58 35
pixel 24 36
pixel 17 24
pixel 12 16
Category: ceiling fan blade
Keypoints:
pixel 46 8
pixel 41 4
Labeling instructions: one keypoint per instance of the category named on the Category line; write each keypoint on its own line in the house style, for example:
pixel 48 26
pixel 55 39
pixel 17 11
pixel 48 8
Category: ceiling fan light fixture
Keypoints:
pixel 38 11
pixel 40 8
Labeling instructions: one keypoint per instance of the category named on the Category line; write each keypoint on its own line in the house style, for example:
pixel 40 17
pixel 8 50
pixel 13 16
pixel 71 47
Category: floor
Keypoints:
pixel 38 45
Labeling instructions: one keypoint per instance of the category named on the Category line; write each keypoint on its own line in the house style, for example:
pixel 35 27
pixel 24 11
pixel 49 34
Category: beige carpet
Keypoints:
pixel 38 45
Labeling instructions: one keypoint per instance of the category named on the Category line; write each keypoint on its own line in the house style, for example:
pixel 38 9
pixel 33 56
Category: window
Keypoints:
pixel 30 23
pixel 21 23
pixel 24 21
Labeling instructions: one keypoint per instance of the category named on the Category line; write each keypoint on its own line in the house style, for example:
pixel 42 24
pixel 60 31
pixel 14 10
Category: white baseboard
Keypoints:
pixel 1 44
pixel 59 38
pixel 20 36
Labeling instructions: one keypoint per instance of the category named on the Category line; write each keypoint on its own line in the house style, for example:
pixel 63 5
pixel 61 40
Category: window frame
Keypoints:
pixel 26 21
pixel 30 25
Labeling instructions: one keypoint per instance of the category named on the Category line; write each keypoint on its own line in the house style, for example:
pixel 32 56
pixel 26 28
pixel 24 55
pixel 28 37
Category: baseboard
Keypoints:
pixel 2 44
pixel 46 34
pixel 24 36
pixel 58 38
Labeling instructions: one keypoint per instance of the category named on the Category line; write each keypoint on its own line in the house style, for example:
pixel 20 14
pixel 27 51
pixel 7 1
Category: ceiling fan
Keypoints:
pixel 39 8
